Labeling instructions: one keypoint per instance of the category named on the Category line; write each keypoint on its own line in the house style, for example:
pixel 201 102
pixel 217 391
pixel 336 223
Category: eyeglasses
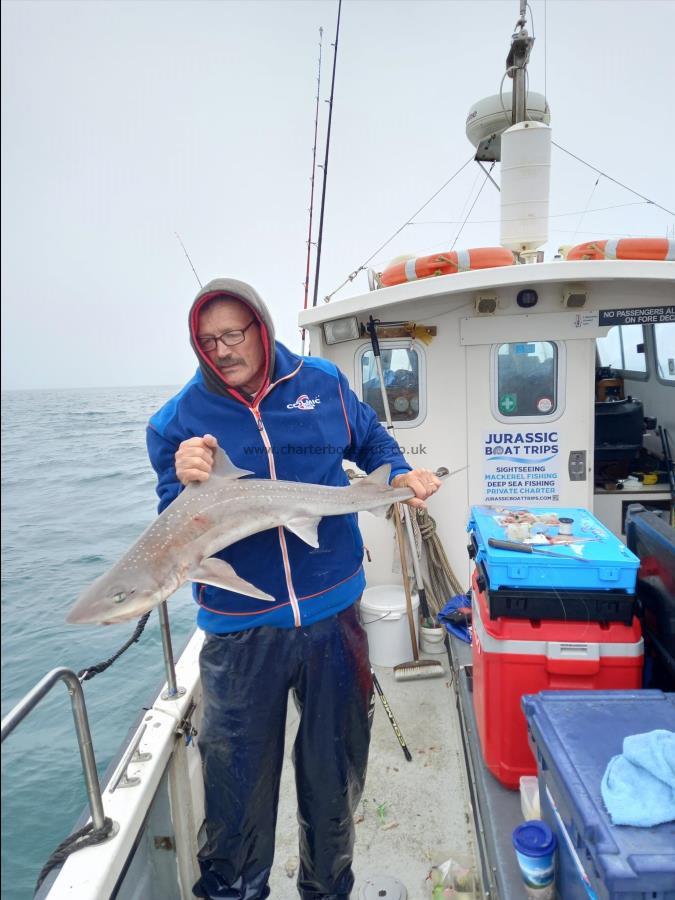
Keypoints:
pixel 208 343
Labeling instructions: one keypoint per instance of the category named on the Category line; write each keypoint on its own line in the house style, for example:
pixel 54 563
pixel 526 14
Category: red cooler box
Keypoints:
pixel 512 657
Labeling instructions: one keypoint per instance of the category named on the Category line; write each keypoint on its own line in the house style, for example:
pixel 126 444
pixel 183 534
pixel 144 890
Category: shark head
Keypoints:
pixel 116 597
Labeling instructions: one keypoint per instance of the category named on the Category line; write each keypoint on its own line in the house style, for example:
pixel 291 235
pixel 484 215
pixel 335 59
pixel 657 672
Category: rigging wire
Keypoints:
pixel 325 163
pixel 574 212
pixel 468 197
pixel 534 37
pixel 434 247
pixel 485 180
pixel 608 234
pixel 353 275
pixel 508 115
pixel 590 197
pixel 616 181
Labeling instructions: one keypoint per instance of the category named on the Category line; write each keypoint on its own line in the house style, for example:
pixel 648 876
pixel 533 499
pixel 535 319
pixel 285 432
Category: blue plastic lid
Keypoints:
pixel 534 838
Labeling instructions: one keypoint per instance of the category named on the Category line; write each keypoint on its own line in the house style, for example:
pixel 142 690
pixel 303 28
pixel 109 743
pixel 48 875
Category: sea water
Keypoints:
pixel 77 490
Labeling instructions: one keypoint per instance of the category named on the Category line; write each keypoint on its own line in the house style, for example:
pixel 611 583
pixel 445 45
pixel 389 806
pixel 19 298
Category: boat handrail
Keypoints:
pixel 173 691
pixel 81 720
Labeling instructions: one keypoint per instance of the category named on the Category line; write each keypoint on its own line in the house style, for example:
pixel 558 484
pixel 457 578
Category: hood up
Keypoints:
pixel 232 289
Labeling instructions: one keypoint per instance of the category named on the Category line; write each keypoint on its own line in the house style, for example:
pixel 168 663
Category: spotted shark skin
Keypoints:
pixel 208 516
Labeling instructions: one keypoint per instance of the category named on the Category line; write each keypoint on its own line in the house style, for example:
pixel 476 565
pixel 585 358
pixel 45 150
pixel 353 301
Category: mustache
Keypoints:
pixel 229 360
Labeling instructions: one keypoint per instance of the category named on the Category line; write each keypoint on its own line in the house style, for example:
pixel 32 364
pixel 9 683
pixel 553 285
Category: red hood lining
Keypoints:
pixel 194 322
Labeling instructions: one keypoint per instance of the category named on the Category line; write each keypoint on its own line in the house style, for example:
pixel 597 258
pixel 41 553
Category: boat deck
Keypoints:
pixel 413 814
pixel 441 805
pixel 496 810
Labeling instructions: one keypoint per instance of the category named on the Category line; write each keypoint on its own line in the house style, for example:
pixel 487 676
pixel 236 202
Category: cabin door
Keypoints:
pixel 530 422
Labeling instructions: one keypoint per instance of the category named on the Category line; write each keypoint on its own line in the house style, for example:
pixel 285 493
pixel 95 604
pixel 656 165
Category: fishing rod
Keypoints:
pixel 188 258
pixel 311 196
pixel 390 716
pixel 325 164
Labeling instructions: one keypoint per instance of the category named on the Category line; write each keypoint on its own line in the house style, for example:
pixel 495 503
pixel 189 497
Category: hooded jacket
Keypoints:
pixel 301 424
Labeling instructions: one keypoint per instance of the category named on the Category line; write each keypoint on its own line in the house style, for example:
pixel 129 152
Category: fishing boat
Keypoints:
pixel 535 382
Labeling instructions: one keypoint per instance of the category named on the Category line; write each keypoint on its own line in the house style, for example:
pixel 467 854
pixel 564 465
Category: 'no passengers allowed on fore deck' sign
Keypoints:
pixel 654 315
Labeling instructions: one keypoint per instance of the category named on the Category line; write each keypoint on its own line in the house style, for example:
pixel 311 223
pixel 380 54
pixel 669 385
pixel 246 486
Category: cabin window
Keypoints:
pixel 622 348
pixel 403 368
pixel 527 380
pixel 664 344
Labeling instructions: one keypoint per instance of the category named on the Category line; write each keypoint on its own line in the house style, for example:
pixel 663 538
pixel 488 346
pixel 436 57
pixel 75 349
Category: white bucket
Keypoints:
pixel 384 616
pixel 432 640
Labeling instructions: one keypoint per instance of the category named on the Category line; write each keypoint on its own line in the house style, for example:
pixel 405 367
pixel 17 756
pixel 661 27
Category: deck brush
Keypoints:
pixel 418 668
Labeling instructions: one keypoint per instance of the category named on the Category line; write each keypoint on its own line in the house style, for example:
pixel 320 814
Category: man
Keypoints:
pixel 280 416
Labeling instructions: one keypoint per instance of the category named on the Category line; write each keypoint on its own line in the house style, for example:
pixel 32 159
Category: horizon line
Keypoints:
pixel 88 387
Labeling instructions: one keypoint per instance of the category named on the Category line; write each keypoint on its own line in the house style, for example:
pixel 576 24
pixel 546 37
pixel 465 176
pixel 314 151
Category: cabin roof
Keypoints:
pixel 572 272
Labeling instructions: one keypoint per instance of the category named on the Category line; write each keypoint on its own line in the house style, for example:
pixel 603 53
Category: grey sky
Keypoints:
pixel 123 122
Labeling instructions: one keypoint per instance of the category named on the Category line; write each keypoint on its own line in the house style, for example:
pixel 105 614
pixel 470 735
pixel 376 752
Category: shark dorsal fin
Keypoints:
pixel 379 476
pixel 223 467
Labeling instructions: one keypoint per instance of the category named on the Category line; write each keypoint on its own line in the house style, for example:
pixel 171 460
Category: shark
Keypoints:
pixel 207 517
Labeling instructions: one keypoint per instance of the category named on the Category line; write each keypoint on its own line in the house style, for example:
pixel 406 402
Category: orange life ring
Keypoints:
pixel 446 264
pixel 625 248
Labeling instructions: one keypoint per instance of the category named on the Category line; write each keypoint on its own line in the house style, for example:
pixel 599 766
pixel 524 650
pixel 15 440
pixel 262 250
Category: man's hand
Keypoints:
pixel 422 481
pixel 194 459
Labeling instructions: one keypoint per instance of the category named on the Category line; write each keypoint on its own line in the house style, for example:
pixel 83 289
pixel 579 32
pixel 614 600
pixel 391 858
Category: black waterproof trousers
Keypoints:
pixel 246 678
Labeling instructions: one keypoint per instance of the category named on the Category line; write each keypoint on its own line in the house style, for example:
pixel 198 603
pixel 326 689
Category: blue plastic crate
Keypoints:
pixel 596 561
pixel 573 735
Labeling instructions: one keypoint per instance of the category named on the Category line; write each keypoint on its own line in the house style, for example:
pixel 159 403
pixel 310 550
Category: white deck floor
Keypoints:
pixel 424 815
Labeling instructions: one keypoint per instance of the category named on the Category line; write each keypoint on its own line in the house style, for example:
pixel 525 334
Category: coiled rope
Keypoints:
pixel 85 837
pixel 443 583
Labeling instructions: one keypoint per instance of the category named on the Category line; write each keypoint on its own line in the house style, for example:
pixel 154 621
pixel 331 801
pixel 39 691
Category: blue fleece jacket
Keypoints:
pixel 312 421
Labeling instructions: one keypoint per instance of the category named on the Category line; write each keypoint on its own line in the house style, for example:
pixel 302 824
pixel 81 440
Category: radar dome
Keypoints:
pixel 489 118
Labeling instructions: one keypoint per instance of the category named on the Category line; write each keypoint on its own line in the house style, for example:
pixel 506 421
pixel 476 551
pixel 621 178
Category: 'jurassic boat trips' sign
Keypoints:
pixel 521 466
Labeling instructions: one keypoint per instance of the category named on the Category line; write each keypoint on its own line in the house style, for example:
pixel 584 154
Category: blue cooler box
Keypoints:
pixel 598 560
pixel 573 735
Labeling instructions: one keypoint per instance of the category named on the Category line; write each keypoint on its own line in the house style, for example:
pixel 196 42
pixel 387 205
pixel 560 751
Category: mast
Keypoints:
pixel 516 65
pixel 525 160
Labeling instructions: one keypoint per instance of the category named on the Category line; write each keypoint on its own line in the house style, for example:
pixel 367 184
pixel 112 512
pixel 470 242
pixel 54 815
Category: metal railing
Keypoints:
pixel 173 692
pixel 79 707
pixel 28 703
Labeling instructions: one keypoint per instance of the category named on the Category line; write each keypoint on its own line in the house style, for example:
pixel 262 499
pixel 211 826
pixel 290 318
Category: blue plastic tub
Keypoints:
pixel 595 560
pixel 573 735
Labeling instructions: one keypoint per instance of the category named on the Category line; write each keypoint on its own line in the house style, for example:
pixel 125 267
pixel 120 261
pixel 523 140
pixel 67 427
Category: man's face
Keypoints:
pixel 241 366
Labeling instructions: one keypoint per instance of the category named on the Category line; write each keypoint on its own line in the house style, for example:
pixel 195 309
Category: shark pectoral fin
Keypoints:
pixel 223 467
pixel 305 529
pixel 220 574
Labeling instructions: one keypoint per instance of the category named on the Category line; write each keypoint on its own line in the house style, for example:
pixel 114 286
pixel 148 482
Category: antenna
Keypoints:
pixel 188 258
pixel 325 164
pixel 311 196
